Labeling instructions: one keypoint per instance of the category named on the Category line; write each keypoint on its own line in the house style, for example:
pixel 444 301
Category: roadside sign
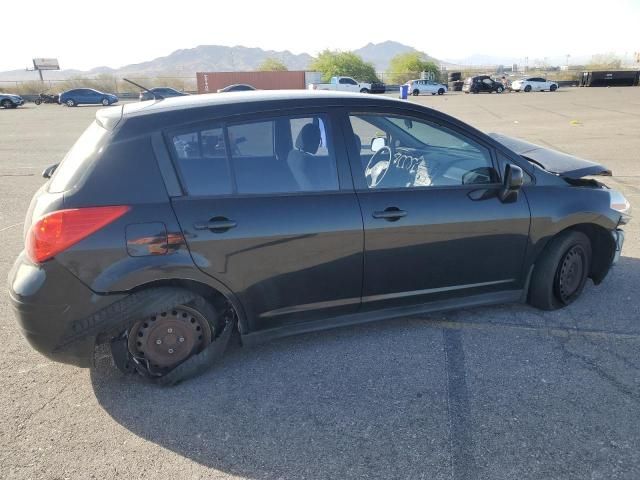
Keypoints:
pixel 46 64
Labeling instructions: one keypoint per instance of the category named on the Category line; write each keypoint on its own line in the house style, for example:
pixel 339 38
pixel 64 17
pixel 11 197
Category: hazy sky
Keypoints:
pixel 87 34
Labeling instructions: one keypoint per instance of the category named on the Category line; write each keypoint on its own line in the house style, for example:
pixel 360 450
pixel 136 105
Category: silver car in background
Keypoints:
pixel 418 87
pixel 533 84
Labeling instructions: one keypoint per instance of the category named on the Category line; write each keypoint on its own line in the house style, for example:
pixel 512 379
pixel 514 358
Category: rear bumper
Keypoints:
pixel 49 304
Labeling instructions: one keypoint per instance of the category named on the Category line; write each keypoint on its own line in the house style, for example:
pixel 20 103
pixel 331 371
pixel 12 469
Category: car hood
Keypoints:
pixel 551 160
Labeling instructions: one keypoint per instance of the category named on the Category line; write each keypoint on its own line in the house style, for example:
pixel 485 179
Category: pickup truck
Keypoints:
pixel 348 84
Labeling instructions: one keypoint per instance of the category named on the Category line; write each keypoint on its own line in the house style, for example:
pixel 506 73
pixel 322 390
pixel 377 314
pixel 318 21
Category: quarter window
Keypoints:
pixel 403 152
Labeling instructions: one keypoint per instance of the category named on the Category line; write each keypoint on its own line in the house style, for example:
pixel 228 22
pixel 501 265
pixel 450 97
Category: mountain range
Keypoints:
pixel 211 58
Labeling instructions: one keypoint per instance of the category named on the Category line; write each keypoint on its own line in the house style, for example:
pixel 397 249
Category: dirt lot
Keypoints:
pixel 505 392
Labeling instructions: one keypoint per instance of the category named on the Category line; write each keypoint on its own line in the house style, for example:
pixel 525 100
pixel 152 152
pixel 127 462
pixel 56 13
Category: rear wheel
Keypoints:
pixel 364 90
pixel 6 103
pixel 37 101
pixel 441 91
pixel 160 343
pixel 561 271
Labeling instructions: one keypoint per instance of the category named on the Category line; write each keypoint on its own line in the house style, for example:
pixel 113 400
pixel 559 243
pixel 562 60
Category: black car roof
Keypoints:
pixel 230 98
pixel 230 103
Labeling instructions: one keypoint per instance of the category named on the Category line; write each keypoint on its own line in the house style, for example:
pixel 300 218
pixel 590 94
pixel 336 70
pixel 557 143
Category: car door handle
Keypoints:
pixel 216 224
pixel 391 214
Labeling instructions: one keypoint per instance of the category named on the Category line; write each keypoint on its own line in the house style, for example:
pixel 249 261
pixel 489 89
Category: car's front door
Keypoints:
pixel 89 96
pixel 435 227
pixel 270 212
pixel 487 85
pixel 349 85
pixel 81 95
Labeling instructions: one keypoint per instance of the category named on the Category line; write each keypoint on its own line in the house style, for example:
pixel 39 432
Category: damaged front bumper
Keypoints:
pixel 618 237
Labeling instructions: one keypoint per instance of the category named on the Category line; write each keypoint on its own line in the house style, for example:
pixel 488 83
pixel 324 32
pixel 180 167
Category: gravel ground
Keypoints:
pixel 504 392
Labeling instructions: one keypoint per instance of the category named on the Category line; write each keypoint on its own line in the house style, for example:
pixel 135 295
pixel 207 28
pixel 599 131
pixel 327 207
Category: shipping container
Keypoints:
pixel 210 82
pixel 610 78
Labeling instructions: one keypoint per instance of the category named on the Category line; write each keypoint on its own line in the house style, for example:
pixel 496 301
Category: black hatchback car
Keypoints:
pixel 169 224
pixel 482 83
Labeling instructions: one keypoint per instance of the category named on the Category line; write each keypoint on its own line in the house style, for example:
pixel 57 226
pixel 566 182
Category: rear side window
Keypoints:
pixel 202 161
pixel 78 159
pixel 252 139
pixel 283 155
pixel 277 155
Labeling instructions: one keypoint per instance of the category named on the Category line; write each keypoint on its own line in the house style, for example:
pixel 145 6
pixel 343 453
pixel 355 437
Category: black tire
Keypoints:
pixel 553 88
pixel 37 101
pixel 441 91
pixel 197 313
pixel 105 102
pixel 70 103
pixel 499 90
pixel 416 92
pixel 6 103
pixel 527 88
pixel 561 271
pixel 364 90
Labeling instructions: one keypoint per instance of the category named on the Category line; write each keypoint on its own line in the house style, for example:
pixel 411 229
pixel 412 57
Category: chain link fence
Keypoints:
pixel 110 83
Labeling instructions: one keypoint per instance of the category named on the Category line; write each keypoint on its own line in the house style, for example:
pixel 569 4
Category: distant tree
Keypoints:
pixel 345 64
pixel 406 66
pixel 272 65
pixel 604 61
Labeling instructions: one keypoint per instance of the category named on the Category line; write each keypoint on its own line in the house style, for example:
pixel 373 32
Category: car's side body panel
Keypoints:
pixel 297 262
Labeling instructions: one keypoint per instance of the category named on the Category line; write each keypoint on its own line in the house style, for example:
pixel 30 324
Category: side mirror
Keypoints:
pixel 513 180
pixel 377 143
pixel 48 172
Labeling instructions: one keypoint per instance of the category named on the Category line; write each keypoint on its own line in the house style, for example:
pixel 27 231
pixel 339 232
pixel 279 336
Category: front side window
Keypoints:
pixel 403 152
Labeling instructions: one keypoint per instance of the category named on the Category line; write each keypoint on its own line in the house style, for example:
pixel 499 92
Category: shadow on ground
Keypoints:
pixel 391 400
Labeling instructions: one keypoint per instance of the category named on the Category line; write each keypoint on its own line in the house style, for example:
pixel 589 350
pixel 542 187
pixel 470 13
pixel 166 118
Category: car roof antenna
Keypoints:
pixel 156 96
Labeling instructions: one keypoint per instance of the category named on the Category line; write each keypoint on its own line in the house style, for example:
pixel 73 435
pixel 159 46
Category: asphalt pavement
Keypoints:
pixel 505 392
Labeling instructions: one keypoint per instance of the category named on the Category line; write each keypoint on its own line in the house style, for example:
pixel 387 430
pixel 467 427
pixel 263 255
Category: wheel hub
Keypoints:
pixel 167 339
pixel 571 272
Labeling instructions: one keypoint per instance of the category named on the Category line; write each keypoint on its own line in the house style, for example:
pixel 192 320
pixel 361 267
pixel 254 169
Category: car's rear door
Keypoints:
pixel 290 249
pixel 435 228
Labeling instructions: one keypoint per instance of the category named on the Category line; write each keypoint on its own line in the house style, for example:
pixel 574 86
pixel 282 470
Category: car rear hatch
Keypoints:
pixel 553 161
pixel 70 171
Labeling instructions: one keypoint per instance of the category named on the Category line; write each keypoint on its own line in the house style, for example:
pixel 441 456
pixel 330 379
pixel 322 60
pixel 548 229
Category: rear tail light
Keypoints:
pixel 57 231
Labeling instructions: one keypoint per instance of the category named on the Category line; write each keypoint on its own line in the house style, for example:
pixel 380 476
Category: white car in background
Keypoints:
pixel 533 84
pixel 417 87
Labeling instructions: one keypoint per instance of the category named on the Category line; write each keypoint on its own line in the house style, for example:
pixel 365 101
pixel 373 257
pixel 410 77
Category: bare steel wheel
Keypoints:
pixel 164 341
pixel 571 274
